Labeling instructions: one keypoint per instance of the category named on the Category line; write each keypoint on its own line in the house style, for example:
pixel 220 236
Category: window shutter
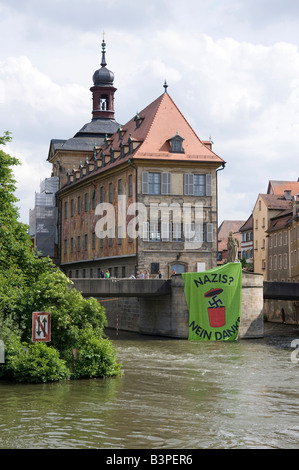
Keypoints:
pixel 145 182
pixel 209 185
pixel 145 231
pixel 209 228
pixel 165 229
pixel 188 184
pixel 166 183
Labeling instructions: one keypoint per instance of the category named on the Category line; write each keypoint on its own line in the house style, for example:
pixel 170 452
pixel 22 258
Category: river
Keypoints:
pixel 173 394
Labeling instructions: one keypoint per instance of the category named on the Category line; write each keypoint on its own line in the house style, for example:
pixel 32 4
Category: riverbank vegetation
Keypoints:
pixel 30 283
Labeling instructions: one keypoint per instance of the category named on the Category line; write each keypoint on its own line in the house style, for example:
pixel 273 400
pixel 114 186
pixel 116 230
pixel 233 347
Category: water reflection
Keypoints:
pixel 172 394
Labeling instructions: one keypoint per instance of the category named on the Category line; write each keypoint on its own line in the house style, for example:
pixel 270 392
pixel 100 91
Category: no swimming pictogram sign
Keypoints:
pixel 41 326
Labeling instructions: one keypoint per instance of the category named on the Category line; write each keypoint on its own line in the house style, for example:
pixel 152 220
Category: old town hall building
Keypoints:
pixel 138 197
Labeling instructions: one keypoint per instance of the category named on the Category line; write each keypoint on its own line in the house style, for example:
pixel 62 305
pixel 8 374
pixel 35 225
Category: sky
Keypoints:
pixel 232 68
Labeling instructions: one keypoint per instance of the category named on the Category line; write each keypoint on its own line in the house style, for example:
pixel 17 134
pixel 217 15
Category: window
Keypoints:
pixel 93 199
pixel 102 194
pixel 72 245
pixel 285 238
pixel 93 240
pixel 79 204
pixel 176 144
pixel 270 262
pixel 110 236
pixel 110 193
pixel 285 261
pixel 65 210
pixel 156 183
pixel 279 261
pixel 85 242
pixel 86 202
pixel 130 185
pixel 120 187
pixel 175 232
pixel 65 247
pixel 72 207
pixel 79 243
pixel 280 239
pixel 197 184
pixel 120 230
pixel 122 149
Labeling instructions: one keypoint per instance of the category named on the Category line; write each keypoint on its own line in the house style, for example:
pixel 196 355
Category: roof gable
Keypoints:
pixel 158 124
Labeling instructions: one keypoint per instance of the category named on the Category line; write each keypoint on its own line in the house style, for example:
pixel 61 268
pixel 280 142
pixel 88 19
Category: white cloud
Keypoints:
pixel 24 83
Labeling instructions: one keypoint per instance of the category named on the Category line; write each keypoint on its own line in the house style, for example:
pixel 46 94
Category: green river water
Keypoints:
pixel 173 394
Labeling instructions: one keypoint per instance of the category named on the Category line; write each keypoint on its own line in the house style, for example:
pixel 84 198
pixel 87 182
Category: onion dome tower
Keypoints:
pixel 103 90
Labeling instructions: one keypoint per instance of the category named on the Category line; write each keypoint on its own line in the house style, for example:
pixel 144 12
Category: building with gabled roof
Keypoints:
pixel 142 198
pixel 279 187
pixel 267 206
pixel 247 240
pixel 278 255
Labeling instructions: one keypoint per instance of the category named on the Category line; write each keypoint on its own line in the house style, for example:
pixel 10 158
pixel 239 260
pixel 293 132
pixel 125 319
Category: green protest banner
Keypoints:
pixel 214 302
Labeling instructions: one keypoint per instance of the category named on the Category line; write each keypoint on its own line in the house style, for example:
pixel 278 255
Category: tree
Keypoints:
pixel 30 283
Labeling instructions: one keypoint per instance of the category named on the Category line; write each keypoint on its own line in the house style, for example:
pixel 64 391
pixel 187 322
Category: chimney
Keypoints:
pixel 288 194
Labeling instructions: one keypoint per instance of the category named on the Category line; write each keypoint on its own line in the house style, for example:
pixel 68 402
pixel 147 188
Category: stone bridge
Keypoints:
pixel 123 287
pixel 158 306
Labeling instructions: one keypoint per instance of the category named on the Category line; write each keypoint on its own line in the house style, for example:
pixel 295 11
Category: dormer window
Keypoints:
pixel 138 120
pixel 103 158
pixel 122 149
pixel 120 133
pixel 130 142
pixel 111 154
pixel 176 144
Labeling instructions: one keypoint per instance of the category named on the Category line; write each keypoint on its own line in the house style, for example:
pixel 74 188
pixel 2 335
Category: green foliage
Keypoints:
pixel 30 283
pixel 95 356
pixel 37 363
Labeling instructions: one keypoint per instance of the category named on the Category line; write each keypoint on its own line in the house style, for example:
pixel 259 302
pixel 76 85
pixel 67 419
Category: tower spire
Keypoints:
pixel 103 63
pixel 103 90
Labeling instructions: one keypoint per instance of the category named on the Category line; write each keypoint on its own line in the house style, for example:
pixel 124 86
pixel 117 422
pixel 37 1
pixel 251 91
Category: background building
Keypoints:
pixel 224 230
pixel 247 241
pixel 144 176
pixel 161 170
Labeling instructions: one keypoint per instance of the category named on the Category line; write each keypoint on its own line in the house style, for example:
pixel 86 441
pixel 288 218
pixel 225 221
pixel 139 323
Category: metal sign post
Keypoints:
pixel 41 326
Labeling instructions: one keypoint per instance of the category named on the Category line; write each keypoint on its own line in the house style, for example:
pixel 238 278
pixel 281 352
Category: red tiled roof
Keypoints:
pixel 277 202
pixel 161 120
pixel 280 221
pixel 278 187
pixel 248 224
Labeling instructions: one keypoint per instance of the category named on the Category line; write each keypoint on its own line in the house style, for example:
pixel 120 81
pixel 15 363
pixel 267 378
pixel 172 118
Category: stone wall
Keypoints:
pixel 252 322
pixel 167 315
pixel 282 311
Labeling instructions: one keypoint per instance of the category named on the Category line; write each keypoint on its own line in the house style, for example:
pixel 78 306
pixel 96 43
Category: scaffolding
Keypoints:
pixel 43 218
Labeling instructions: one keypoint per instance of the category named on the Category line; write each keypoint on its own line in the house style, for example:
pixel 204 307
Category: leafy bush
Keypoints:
pixel 31 283
pixel 96 356
pixel 37 363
